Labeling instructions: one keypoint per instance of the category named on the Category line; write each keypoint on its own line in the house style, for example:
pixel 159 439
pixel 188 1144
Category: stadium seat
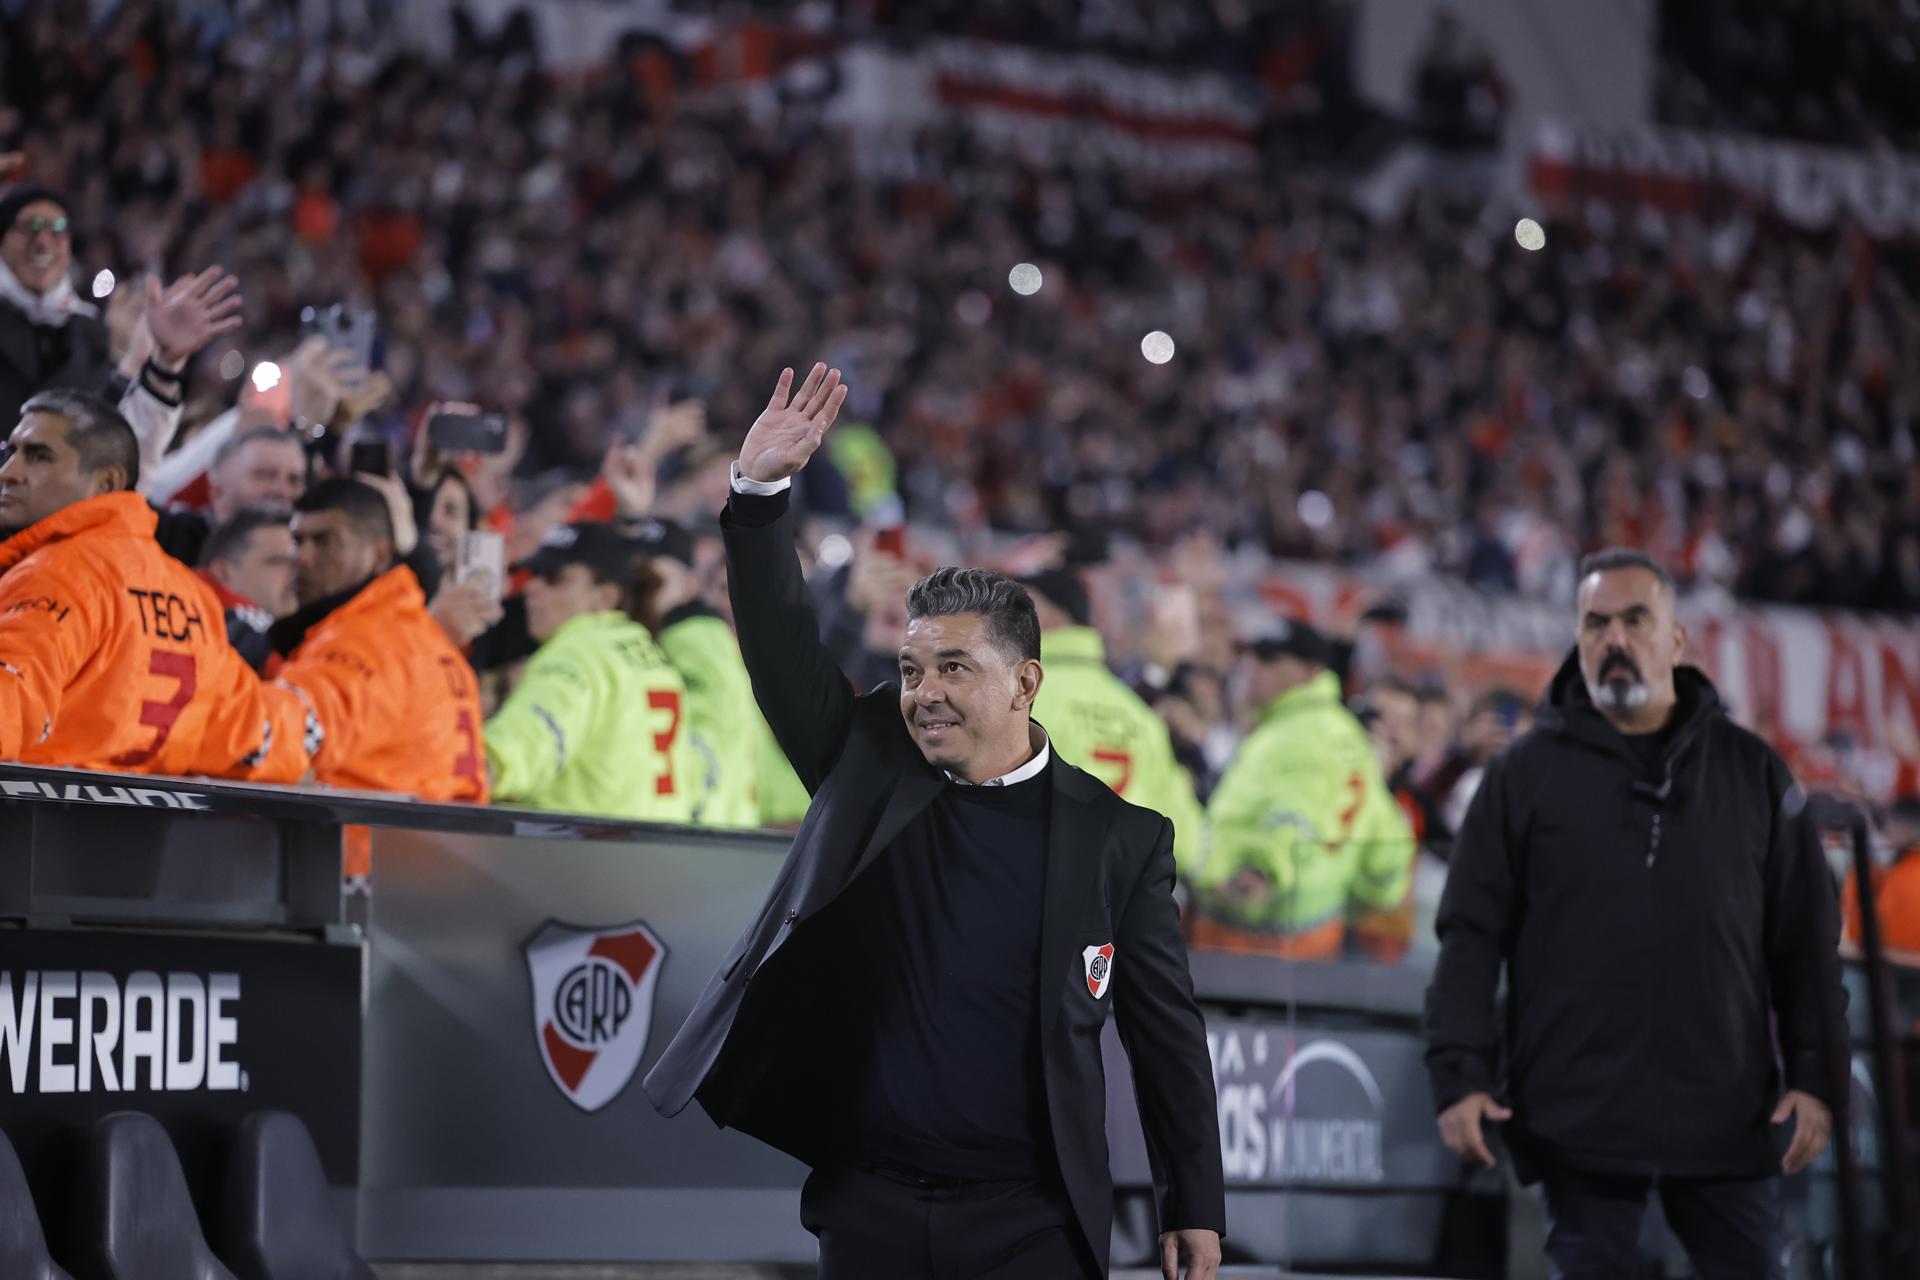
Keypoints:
pixel 23 1246
pixel 276 1212
pixel 141 1222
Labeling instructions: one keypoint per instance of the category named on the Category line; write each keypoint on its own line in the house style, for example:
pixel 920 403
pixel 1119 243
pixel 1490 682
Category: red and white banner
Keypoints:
pixel 1685 169
pixel 1055 107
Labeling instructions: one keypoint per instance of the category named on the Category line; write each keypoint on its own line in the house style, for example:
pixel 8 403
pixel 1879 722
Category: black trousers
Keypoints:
pixel 878 1224
pixel 1731 1229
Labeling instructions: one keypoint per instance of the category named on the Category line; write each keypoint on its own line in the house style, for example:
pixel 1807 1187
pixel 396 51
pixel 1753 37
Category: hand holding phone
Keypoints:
pixel 483 561
pixel 454 432
pixel 351 329
pixel 370 457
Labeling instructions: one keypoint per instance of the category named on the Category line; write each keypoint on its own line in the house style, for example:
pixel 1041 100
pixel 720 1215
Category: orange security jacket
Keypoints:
pixel 397 703
pixel 114 655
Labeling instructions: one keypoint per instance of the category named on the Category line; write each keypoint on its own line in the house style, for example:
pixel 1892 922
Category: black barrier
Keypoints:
pixel 1326 1126
pixel 499 965
pixel 476 1095
pixel 175 948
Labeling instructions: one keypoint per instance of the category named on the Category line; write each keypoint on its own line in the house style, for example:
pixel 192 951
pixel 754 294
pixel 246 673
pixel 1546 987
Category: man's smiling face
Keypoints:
pixel 959 694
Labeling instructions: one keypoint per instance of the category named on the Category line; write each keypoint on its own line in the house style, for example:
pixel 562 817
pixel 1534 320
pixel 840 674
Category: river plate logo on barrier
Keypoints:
pixel 593 1005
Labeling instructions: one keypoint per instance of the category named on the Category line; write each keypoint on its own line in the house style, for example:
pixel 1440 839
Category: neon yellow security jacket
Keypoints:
pixel 1095 721
pixel 597 725
pixel 783 797
pixel 1304 804
pixel 729 735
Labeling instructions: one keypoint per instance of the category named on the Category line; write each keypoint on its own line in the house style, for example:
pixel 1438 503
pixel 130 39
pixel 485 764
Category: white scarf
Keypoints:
pixel 49 310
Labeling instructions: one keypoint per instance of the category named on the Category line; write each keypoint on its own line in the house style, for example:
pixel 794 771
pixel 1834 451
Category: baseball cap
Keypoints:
pixel 594 545
pixel 1064 588
pixel 1287 636
pixel 650 538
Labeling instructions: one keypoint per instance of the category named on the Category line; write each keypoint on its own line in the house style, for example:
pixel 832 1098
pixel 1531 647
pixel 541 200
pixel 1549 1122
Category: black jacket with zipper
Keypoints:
pixel 1651 921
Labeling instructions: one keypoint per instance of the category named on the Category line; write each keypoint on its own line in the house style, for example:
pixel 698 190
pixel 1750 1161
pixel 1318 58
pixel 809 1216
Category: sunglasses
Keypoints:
pixel 34 226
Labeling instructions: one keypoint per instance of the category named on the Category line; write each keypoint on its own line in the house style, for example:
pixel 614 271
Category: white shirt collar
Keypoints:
pixel 1042 752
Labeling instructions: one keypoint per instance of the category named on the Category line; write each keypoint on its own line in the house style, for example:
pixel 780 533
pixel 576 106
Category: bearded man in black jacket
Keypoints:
pixel 1642 867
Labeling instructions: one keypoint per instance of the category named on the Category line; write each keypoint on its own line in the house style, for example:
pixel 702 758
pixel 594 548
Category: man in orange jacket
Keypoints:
pixel 398 703
pixel 113 655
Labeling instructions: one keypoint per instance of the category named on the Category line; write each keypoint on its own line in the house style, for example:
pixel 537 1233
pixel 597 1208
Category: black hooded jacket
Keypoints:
pixel 1652 911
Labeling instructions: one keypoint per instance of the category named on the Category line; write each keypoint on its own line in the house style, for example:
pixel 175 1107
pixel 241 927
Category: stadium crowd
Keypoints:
pixel 1711 390
pixel 599 258
pixel 1839 74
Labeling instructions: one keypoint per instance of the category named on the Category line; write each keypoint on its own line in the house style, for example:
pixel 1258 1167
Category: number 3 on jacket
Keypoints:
pixel 159 716
pixel 667 700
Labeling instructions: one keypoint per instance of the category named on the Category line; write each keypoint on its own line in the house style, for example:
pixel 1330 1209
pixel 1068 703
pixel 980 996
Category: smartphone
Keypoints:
pixel 891 541
pixel 483 561
pixel 352 329
pixel 468 432
pixel 370 457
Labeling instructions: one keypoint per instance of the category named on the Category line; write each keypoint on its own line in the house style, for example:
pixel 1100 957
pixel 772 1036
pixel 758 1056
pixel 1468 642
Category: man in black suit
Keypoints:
pixel 916 1012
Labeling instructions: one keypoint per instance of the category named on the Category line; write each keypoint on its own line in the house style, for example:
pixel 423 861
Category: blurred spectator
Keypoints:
pixel 863 610
pixel 1497 718
pixel 1096 722
pixel 1896 888
pixel 248 561
pixel 446 510
pixel 397 702
pixel 262 466
pixel 51 338
pixel 1898 590
pixel 1395 728
pixel 1306 841
pixel 1397 733
pixel 1194 706
pixel 1841 74
pixel 599 722
pixel 1459 92
pixel 112 654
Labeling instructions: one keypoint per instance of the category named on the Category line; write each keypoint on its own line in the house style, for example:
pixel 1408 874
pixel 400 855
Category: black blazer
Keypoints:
pixel 767 1047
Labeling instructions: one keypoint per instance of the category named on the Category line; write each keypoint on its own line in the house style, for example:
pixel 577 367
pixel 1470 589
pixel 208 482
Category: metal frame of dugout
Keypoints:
pixel 465 1033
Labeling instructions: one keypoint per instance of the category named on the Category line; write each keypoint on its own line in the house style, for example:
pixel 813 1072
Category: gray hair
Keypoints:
pixel 1012 624
pixel 1615 558
pixel 95 429
pixel 264 431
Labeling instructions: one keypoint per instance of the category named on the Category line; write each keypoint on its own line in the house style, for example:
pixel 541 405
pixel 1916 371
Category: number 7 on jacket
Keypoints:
pixel 1113 755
